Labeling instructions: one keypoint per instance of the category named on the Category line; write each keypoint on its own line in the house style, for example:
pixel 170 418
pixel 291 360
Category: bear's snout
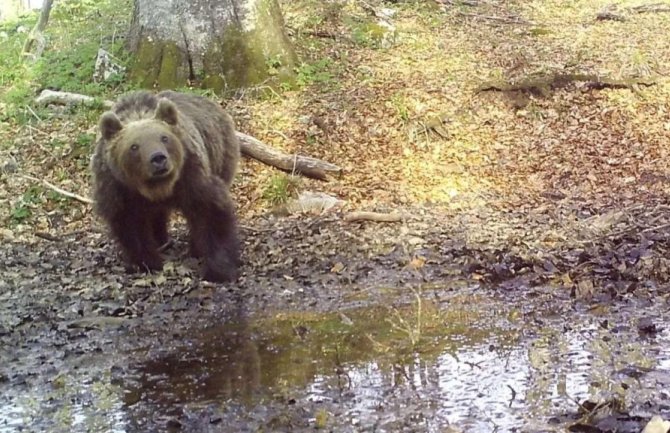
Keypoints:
pixel 159 163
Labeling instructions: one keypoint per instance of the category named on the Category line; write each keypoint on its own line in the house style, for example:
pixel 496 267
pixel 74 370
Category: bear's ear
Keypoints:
pixel 166 111
pixel 110 125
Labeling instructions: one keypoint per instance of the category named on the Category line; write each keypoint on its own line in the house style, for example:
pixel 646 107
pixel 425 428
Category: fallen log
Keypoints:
pixel 47 97
pixel 249 146
pixel 294 164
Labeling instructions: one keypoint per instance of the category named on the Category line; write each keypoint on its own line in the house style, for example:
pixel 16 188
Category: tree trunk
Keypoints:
pixel 219 44
pixel 36 36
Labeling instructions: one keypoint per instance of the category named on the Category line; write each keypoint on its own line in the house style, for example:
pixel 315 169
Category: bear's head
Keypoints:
pixel 146 154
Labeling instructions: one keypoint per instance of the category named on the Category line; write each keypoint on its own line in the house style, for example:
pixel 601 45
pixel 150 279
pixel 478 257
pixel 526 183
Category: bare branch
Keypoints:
pixel 59 190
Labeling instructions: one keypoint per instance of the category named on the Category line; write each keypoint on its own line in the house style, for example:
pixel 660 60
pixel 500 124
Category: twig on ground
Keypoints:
pixel 613 13
pixel 321 34
pixel 59 190
pixel 609 15
pixel 471 3
pixel 47 236
pixel 255 230
pixel 627 230
pixel 504 20
pixel 373 216
pixel 38 118
pixel 651 8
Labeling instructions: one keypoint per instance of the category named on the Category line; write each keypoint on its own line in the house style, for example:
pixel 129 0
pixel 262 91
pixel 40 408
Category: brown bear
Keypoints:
pixel 162 152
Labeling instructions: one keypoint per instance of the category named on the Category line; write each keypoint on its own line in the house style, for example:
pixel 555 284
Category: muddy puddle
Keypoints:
pixel 469 362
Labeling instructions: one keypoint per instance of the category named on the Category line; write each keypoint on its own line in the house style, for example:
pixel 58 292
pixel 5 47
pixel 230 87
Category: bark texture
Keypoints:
pixel 220 44
pixel 36 36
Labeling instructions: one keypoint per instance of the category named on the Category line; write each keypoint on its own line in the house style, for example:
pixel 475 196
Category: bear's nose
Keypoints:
pixel 158 160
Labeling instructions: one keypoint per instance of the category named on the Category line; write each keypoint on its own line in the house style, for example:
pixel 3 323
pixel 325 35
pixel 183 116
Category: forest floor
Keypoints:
pixel 543 207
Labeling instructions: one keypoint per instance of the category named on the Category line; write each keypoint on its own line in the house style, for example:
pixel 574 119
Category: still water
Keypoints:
pixel 466 362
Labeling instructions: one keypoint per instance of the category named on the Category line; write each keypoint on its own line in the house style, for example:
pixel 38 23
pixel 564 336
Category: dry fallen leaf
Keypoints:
pixel 584 289
pixel 337 268
pixel 417 263
pixel 142 282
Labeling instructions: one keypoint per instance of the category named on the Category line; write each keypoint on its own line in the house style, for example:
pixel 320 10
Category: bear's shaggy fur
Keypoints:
pixel 160 152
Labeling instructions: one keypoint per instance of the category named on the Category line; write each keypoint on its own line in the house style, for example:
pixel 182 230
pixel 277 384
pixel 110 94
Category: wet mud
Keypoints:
pixel 360 337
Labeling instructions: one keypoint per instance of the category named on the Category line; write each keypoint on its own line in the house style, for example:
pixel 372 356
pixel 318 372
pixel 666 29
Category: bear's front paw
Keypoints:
pixel 146 263
pixel 220 273
pixel 152 264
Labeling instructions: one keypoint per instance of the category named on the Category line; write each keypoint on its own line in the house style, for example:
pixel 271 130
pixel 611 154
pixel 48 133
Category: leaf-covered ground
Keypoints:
pixel 572 181
pixel 565 189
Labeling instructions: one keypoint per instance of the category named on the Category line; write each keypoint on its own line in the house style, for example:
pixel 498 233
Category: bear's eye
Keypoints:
pixel 164 139
pixel 134 147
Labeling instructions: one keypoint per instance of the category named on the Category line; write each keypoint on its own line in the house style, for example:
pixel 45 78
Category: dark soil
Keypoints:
pixel 72 319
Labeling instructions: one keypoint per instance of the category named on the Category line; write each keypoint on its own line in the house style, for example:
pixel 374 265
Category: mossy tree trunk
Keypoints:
pixel 218 44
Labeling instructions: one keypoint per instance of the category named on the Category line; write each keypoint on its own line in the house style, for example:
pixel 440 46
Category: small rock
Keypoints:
pixel 657 425
pixel 386 13
pixel 106 66
pixel 9 166
pixel 313 202
pixel 646 325
pixel 6 234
